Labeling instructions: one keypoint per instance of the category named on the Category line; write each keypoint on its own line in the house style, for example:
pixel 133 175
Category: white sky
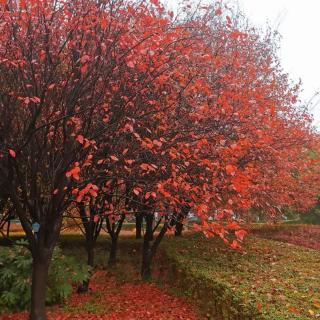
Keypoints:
pixel 299 24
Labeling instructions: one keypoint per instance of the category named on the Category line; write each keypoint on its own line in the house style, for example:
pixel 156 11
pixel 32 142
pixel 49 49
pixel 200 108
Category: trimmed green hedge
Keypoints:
pixel 268 280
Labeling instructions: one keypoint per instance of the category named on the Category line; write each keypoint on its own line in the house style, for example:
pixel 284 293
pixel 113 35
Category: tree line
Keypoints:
pixel 117 108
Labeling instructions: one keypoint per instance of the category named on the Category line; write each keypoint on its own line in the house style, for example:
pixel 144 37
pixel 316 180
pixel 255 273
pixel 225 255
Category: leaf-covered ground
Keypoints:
pixel 110 300
pixel 301 235
pixel 267 280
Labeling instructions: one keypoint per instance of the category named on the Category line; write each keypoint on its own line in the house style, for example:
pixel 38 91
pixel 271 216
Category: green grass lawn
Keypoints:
pixel 267 280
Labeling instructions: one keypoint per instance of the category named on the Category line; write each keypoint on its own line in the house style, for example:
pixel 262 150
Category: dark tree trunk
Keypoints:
pixel 149 250
pixel 178 229
pixel 146 260
pixel 84 287
pixel 139 222
pixel 38 290
pixel 114 231
pixel 180 217
pixel 90 251
pixel 113 251
pixel 146 250
pixel 8 228
pixel 92 230
pixel 149 226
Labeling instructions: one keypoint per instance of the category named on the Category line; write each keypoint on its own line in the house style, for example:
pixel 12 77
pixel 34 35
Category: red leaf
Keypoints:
pixel 114 158
pixel 218 12
pixel 145 166
pixel 12 153
pixel 235 244
pixel 231 169
pixel 84 59
pixel 74 173
pixel 84 68
pixel 93 193
pixel 241 234
pixel 80 139
pixel 157 143
pixel 104 23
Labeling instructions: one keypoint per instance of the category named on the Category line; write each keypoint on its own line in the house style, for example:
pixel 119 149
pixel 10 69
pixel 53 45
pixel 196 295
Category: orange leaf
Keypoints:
pixel 231 169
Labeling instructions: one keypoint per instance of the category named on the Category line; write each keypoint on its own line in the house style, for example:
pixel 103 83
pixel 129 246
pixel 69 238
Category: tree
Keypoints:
pixel 117 106
pixel 139 225
pixel 179 218
pixel 92 224
pixel 56 79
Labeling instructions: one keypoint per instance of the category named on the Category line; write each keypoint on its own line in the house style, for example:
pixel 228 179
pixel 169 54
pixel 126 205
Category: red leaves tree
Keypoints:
pixel 57 62
pixel 119 108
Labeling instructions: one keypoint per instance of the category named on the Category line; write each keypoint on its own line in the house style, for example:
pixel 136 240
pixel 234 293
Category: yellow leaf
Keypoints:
pixel 311 312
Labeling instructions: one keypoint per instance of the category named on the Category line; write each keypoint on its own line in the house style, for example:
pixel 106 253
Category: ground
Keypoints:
pixel 197 278
pixel 110 300
pixel 302 235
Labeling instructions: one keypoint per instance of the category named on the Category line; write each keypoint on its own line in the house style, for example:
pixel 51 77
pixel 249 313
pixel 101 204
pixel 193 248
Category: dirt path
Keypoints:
pixel 109 300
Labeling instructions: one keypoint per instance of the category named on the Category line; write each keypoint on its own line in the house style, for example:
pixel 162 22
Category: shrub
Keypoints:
pixel 16 271
pixel 267 280
pixel 312 217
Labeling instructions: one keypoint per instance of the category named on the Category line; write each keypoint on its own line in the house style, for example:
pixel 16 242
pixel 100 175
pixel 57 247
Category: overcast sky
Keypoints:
pixel 299 24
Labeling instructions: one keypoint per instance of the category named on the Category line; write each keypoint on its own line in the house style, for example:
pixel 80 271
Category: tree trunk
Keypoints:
pixel 149 227
pixel 146 260
pixel 38 290
pixel 8 228
pixel 149 251
pixel 178 229
pixel 90 252
pixel 113 251
pixel 139 222
pixel 84 287
pixel 114 231
pixel 146 267
pixel 146 249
